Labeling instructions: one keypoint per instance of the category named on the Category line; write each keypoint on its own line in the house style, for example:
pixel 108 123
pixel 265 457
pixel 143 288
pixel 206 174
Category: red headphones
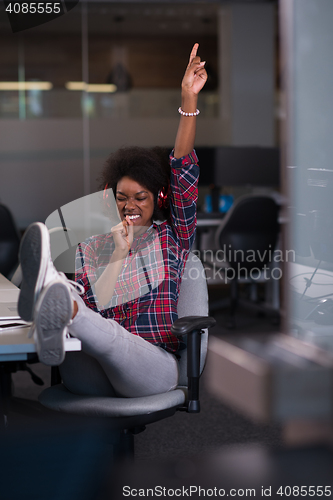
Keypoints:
pixel 106 196
pixel 163 198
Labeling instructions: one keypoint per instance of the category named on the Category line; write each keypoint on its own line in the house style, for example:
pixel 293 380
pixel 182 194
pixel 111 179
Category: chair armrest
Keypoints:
pixel 187 324
pixel 193 326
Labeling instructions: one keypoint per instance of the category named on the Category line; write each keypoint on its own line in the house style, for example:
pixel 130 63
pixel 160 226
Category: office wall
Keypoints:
pixel 41 161
pixel 46 161
pixel 252 74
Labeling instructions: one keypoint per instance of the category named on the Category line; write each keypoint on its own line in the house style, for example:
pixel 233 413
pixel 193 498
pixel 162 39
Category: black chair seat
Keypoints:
pixel 9 242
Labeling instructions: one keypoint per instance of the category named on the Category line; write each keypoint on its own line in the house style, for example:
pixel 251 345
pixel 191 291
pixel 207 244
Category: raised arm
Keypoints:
pixel 194 79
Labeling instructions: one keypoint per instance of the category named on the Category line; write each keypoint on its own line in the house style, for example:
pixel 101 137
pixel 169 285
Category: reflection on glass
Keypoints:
pixel 64 103
pixel 311 275
pixel 82 244
pixel 310 152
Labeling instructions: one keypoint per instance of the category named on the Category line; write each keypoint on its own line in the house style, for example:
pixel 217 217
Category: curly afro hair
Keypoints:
pixel 147 166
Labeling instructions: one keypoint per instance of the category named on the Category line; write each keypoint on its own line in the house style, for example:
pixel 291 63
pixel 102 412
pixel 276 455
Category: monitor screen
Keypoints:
pixel 206 156
pixel 247 165
pixel 236 165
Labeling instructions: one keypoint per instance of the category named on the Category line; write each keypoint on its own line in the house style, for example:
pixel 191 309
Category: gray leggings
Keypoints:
pixel 113 361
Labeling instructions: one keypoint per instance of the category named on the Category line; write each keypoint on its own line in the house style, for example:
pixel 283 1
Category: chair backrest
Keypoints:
pixel 9 242
pixel 249 232
pixel 193 301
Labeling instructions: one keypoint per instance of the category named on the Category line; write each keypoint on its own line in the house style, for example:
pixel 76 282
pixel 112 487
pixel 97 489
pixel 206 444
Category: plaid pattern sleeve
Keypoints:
pixel 146 294
pixel 184 197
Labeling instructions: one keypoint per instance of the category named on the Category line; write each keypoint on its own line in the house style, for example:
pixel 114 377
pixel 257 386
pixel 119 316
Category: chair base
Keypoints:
pixel 123 429
pixel 138 423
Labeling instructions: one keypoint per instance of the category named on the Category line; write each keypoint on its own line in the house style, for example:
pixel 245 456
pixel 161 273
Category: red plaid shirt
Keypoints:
pixel 146 294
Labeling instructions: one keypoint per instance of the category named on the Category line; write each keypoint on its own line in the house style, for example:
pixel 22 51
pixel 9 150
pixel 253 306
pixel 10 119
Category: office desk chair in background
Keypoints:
pixel 9 242
pixel 248 236
pixel 131 415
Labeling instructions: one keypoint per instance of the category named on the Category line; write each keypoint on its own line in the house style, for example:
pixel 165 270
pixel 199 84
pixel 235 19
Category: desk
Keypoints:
pixel 8 291
pixel 15 344
pixel 206 221
pixel 213 219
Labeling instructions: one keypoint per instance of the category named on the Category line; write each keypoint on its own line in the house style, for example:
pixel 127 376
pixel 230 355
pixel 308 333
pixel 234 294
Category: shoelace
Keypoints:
pixel 73 284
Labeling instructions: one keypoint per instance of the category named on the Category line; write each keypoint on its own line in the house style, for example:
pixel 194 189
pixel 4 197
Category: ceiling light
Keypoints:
pixel 91 87
pixel 26 85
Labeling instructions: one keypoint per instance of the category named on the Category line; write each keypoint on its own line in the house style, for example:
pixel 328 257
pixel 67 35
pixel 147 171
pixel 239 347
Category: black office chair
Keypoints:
pixel 130 415
pixel 247 236
pixel 9 242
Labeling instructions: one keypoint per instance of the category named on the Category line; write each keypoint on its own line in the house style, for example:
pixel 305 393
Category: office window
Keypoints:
pixel 131 55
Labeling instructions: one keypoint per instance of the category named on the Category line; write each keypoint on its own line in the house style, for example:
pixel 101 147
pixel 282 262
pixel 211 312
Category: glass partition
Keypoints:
pixel 76 88
pixel 42 77
pixel 309 169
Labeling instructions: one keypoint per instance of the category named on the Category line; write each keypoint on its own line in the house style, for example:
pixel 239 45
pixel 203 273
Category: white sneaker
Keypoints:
pixel 53 313
pixel 38 270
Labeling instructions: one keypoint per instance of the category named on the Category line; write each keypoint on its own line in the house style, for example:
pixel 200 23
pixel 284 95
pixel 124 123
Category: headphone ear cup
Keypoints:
pixel 163 198
pixel 160 200
pixel 106 195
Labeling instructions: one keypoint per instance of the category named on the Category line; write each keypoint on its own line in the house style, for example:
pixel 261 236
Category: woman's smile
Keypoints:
pixel 135 202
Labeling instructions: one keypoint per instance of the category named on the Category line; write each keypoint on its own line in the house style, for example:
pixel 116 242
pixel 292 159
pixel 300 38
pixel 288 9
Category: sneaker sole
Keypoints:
pixel 32 256
pixel 53 313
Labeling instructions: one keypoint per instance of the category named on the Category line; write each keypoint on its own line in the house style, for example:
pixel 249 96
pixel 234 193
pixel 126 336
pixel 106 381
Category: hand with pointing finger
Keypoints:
pixel 194 79
pixel 195 75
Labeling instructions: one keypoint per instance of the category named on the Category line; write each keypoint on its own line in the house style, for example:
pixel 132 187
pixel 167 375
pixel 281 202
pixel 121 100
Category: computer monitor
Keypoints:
pixel 206 156
pixel 247 165
pixel 236 165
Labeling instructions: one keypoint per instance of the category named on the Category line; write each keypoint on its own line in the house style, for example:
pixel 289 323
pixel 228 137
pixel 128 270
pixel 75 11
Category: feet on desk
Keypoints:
pixel 45 296
pixel 38 270
pixel 53 313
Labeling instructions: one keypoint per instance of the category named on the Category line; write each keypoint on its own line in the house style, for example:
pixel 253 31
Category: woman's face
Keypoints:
pixel 136 201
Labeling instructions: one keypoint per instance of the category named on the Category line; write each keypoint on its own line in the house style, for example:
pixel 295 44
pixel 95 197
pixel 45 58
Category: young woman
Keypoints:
pixel 129 294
